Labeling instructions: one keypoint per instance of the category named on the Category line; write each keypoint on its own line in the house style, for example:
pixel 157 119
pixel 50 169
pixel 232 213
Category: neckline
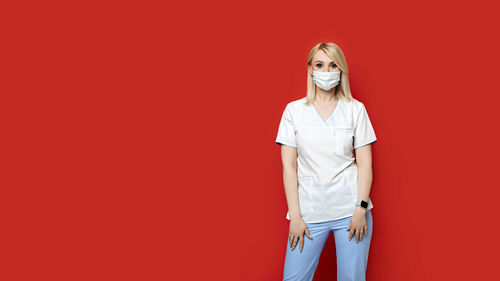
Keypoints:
pixel 331 115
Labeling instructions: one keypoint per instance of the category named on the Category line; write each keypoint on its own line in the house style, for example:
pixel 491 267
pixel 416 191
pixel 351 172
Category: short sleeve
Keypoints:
pixel 286 130
pixel 363 133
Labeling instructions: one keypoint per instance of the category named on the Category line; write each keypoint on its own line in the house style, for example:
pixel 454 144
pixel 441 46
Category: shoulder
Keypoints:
pixel 354 106
pixel 296 106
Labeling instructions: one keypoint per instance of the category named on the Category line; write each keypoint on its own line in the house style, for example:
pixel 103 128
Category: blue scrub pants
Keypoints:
pixel 352 257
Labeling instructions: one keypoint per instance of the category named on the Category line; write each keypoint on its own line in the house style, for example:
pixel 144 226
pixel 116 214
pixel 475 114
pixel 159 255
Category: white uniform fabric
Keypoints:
pixel 326 172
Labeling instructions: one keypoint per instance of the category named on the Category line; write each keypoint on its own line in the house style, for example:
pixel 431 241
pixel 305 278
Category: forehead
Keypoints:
pixel 321 56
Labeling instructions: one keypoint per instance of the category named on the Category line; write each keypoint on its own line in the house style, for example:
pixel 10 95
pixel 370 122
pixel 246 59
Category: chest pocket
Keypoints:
pixel 344 137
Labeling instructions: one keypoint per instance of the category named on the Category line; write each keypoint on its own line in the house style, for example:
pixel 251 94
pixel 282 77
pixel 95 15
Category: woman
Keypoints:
pixel 325 141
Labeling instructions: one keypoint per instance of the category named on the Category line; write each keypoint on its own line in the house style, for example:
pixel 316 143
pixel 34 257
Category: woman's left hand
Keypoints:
pixel 358 224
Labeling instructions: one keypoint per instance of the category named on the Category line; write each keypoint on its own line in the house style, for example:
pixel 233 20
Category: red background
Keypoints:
pixel 138 136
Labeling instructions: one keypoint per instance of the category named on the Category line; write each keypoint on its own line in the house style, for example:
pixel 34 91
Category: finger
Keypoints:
pixel 308 234
pixel 294 242
pixel 301 242
pixel 351 233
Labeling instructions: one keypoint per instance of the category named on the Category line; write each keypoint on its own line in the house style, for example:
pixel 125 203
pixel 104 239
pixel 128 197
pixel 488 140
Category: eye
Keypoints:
pixel 318 65
pixel 334 65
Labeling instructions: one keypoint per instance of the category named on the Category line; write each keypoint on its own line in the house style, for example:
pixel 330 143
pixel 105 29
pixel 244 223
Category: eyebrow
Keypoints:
pixel 321 61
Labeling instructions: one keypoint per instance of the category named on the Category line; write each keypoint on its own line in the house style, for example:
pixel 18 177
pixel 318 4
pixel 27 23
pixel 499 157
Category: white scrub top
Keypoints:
pixel 326 172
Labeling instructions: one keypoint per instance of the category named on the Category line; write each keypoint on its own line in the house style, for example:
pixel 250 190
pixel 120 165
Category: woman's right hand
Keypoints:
pixel 297 229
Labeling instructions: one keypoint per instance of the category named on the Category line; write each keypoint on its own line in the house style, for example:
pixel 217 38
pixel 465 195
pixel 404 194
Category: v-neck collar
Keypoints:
pixel 331 115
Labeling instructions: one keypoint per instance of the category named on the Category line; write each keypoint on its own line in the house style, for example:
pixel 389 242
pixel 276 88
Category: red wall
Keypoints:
pixel 139 136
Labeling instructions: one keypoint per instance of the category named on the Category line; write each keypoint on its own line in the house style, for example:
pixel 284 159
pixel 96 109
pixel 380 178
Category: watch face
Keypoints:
pixel 364 204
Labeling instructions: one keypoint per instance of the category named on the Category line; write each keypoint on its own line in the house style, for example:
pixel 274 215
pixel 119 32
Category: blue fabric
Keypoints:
pixel 352 257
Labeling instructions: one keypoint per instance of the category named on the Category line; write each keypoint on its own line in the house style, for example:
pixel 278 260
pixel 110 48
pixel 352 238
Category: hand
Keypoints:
pixel 358 224
pixel 297 229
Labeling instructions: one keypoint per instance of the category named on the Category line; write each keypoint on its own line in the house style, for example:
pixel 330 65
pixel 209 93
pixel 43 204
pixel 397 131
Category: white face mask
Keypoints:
pixel 326 80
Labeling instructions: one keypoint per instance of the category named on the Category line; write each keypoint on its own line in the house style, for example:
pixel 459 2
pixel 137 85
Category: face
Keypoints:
pixel 321 62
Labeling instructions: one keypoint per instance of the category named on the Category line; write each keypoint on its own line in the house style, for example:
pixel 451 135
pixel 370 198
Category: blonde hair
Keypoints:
pixel 342 90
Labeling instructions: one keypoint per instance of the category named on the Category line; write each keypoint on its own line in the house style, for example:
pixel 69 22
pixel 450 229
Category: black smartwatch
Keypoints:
pixel 362 203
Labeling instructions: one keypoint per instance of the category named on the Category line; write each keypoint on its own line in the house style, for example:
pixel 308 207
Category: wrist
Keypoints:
pixel 360 209
pixel 295 215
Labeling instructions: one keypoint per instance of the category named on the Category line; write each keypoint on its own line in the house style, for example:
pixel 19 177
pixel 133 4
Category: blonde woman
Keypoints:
pixel 325 141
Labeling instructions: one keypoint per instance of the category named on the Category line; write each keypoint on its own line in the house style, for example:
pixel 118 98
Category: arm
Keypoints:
pixel 365 177
pixel 286 138
pixel 365 174
pixel 364 137
pixel 289 161
pixel 297 225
